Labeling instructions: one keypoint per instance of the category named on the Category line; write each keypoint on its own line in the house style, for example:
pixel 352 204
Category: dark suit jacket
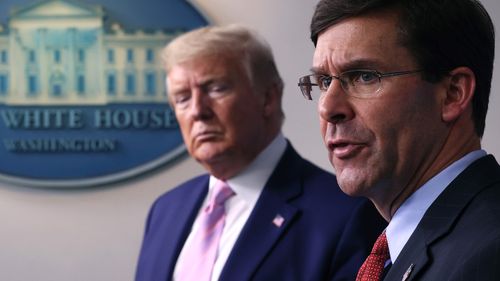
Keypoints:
pixel 322 237
pixel 459 235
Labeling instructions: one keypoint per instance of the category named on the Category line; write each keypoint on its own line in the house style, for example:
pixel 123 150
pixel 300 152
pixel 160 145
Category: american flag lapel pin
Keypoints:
pixel 408 272
pixel 278 220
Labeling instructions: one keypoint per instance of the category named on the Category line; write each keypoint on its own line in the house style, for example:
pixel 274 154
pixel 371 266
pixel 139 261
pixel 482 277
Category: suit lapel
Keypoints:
pixel 441 216
pixel 272 215
pixel 186 208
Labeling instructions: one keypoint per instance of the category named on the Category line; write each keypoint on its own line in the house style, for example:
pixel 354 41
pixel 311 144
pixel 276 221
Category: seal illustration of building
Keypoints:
pixel 82 95
pixel 66 52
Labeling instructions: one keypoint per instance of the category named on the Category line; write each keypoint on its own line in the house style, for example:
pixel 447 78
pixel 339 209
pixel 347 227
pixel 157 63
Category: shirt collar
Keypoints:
pixel 249 183
pixel 409 214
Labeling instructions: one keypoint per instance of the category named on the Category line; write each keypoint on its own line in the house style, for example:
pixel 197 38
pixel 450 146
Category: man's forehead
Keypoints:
pixel 365 41
pixel 200 67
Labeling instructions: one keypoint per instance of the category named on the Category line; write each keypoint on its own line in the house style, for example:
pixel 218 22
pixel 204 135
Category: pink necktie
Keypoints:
pixel 373 267
pixel 202 254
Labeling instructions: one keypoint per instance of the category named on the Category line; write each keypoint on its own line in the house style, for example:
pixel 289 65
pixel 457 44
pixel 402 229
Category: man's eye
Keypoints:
pixel 324 82
pixel 362 77
pixel 368 76
pixel 218 87
pixel 216 90
pixel 181 99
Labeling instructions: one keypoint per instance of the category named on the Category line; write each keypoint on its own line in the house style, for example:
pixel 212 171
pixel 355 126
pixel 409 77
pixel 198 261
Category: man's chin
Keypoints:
pixel 209 155
pixel 349 190
pixel 350 184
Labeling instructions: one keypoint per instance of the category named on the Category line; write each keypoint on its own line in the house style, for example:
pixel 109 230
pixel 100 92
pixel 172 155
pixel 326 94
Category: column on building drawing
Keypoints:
pixel 42 61
pixel 72 76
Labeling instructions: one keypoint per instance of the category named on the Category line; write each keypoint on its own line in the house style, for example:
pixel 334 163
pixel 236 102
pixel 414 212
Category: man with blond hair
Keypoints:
pixel 262 212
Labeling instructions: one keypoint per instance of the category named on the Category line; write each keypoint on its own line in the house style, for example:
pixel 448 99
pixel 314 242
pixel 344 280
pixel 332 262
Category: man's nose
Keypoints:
pixel 334 105
pixel 201 106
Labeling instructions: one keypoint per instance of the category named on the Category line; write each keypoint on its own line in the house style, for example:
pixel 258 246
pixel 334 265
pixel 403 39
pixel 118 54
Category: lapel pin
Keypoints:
pixel 408 272
pixel 278 220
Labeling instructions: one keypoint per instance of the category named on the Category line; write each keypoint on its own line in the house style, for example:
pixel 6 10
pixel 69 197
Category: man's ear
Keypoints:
pixel 272 99
pixel 459 92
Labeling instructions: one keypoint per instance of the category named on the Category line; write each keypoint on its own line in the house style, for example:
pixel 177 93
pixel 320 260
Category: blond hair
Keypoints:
pixel 230 40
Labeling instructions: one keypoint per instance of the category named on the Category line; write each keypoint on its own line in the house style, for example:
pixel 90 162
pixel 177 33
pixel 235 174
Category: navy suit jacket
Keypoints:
pixel 326 235
pixel 459 236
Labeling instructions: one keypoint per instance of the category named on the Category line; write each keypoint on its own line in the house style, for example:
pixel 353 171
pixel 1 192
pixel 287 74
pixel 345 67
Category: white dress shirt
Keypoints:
pixel 247 186
pixel 408 216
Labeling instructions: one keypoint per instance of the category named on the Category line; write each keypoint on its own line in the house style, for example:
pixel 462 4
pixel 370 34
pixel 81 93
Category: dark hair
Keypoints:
pixel 441 35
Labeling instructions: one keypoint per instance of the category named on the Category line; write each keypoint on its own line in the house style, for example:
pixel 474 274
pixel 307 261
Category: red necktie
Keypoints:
pixel 373 267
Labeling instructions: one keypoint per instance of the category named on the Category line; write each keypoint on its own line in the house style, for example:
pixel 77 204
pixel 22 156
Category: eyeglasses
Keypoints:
pixel 361 83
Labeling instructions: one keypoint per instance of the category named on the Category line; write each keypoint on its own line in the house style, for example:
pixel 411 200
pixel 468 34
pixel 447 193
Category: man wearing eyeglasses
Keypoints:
pixel 402 90
pixel 262 212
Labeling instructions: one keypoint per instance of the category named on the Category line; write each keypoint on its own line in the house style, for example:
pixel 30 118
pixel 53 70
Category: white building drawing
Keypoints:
pixel 63 52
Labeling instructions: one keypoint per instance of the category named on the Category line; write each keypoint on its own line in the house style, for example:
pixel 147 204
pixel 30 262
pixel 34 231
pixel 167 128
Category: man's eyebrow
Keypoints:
pixel 317 70
pixel 211 80
pixel 351 65
pixel 361 64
